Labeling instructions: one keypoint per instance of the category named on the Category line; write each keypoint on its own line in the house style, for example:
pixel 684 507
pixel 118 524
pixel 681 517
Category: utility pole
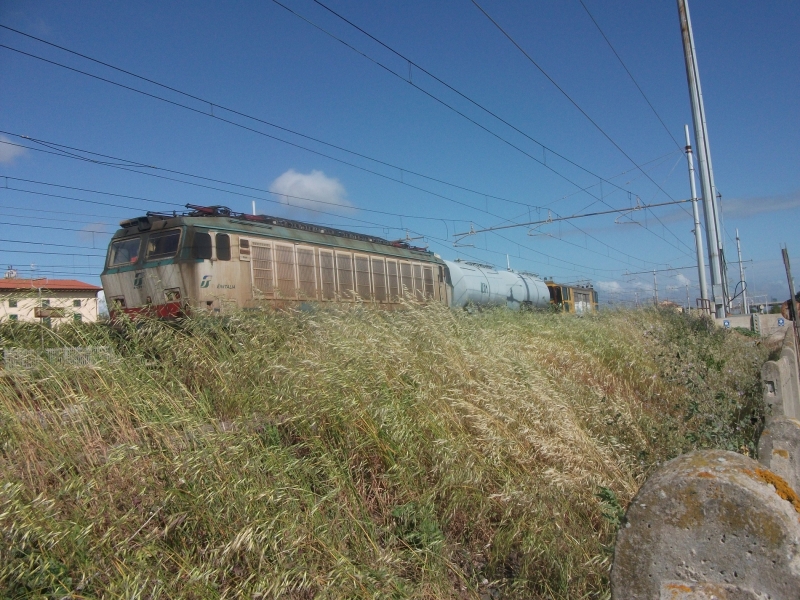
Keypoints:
pixel 745 308
pixel 698 241
pixel 785 253
pixel 655 289
pixel 703 160
pixel 792 299
pixel 688 303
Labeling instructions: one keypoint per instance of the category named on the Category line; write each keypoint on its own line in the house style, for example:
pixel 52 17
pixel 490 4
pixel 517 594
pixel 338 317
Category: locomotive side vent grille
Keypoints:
pixel 262 268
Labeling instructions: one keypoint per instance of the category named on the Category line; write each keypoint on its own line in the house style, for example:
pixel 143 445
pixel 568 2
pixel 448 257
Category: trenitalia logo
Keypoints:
pixel 206 281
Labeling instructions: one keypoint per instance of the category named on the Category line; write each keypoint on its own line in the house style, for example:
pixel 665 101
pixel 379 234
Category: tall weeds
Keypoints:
pixel 422 453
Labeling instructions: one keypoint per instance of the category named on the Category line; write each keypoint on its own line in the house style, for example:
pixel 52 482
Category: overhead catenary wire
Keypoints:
pixel 566 95
pixel 493 114
pixel 270 136
pixel 445 84
pixel 555 220
pixel 582 111
pixel 204 113
pixel 380 225
pixel 294 132
pixel 428 192
pixel 633 79
pixel 117 165
pixel 73 155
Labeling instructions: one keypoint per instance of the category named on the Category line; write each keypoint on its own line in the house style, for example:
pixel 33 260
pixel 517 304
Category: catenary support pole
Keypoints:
pixel 792 301
pixel 655 289
pixel 698 234
pixel 703 160
pixel 745 308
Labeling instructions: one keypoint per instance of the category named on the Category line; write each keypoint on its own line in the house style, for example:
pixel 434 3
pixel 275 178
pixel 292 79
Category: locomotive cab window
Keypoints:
pixel 201 248
pixel 163 245
pixel 223 246
pixel 124 252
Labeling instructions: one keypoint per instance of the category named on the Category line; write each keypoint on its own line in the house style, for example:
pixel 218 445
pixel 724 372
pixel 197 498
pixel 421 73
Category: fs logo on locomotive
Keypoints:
pixel 206 281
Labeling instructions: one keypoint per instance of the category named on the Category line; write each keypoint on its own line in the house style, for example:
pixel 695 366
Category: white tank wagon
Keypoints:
pixel 484 285
pixel 214 260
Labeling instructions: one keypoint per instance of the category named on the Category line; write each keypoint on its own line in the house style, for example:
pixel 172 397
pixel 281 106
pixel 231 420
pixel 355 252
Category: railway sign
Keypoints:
pixel 781 322
pixel 726 324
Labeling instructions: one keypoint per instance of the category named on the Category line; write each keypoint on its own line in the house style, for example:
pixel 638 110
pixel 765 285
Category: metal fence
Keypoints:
pixel 80 356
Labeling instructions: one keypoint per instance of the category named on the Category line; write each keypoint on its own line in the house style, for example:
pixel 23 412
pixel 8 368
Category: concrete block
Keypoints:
pixel 743 321
pixel 768 325
pixel 779 449
pixel 709 524
pixel 778 380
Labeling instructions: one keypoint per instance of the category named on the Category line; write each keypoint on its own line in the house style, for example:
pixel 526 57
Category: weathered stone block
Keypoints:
pixel 779 449
pixel 779 389
pixel 710 523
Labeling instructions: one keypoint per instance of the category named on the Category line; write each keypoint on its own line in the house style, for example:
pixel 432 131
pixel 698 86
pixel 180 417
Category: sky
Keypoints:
pixel 415 119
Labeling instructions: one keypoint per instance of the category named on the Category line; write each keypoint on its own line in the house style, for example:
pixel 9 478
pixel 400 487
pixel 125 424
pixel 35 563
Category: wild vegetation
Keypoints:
pixel 353 453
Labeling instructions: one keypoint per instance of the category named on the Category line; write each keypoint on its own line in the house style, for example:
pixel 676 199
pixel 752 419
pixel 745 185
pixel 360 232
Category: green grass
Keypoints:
pixel 354 453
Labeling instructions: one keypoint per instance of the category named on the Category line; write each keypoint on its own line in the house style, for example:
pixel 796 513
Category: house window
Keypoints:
pixel 45 302
pixel 12 304
pixel 13 317
pixel 77 317
pixel 76 303
pixel 47 322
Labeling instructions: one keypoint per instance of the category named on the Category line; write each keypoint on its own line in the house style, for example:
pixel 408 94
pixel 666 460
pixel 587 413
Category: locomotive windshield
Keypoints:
pixel 163 245
pixel 124 252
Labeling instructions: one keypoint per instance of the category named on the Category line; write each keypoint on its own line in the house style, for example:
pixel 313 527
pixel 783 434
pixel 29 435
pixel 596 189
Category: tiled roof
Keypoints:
pixel 48 284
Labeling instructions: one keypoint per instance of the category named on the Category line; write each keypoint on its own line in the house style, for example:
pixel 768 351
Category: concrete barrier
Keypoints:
pixel 710 524
pixel 780 398
pixel 779 378
pixel 779 449
pixel 769 325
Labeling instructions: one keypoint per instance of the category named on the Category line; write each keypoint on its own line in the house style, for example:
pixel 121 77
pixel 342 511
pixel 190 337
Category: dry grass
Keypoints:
pixel 349 453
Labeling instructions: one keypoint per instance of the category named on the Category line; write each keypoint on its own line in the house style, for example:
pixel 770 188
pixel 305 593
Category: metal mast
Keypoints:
pixel 655 289
pixel 698 241
pixel 745 308
pixel 703 160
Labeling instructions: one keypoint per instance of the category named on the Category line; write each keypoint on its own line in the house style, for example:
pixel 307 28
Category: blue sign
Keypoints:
pixel 726 324
pixel 781 322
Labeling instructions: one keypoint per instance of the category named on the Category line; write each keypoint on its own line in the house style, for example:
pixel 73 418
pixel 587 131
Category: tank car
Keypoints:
pixel 484 285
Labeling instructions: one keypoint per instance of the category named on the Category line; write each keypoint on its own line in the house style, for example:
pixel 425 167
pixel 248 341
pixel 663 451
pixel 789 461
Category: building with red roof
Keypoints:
pixel 49 301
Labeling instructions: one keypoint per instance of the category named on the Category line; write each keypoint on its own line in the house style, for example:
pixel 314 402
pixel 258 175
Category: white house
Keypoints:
pixel 48 301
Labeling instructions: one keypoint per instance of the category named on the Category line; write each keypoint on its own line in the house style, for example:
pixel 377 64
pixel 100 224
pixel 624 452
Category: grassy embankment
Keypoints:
pixel 425 453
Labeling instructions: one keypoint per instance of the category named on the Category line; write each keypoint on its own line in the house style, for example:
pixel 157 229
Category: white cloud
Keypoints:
pixel 608 286
pixel 93 233
pixel 8 152
pixel 312 191
pixel 748 207
pixel 682 280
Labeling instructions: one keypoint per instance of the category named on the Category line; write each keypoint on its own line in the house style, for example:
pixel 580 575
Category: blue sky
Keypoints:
pixel 261 60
